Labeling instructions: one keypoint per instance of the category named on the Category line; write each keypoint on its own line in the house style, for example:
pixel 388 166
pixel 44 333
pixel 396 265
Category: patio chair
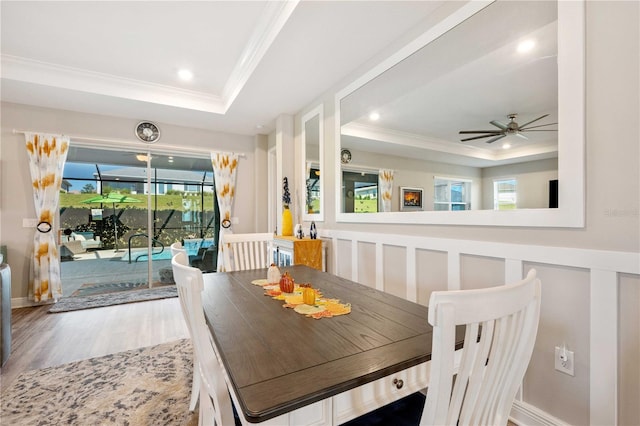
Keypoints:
pixel 75 247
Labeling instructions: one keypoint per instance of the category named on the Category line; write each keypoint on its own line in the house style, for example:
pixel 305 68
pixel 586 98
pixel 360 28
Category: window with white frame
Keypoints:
pixel 451 194
pixel 505 194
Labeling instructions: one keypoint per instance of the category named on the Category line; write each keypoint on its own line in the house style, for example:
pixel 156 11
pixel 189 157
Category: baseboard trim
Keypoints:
pixel 524 414
pixel 24 302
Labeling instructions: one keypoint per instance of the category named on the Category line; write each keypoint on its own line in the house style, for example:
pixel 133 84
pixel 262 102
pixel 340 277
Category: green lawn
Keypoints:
pixel 165 202
pixel 365 206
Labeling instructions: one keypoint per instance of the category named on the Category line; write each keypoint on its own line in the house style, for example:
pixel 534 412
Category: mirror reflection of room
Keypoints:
pixel 474 124
pixel 311 186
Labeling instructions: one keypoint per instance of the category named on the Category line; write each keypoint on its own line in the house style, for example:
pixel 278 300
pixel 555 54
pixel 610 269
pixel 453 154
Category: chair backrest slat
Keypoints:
pixel 501 327
pixel 246 251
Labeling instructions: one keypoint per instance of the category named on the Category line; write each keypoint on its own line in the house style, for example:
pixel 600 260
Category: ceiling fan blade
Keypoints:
pixel 532 121
pixel 479 137
pixel 497 138
pixel 533 127
pixel 462 132
pixel 499 124
pixel 539 130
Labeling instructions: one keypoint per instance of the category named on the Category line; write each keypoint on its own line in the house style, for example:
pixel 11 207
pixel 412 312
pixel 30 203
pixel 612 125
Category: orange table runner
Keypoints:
pixel 308 252
pixel 323 308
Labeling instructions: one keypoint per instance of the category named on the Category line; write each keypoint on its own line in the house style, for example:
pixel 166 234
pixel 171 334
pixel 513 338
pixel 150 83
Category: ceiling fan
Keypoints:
pixel 511 128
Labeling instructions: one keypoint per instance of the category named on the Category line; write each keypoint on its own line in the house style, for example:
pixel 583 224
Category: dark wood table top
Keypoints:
pixel 279 360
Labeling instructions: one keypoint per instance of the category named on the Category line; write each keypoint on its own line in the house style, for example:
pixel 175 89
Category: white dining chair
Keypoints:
pixel 247 251
pixel 215 402
pixel 501 327
pixel 195 386
pixel 177 248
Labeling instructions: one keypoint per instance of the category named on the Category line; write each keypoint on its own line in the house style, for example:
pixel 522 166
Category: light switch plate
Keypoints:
pixel 29 223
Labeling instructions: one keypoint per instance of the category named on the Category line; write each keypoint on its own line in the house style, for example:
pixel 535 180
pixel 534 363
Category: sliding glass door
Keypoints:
pixel 121 211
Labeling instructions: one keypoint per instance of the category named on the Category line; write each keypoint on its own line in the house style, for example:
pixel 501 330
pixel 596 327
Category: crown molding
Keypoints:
pixel 275 15
pixel 48 74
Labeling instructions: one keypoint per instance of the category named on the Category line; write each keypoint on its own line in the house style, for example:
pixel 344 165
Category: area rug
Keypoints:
pixel 76 303
pixel 147 386
pixel 92 289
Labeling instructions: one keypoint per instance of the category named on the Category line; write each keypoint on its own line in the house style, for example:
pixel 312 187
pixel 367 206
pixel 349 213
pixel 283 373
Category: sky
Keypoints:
pixel 82 170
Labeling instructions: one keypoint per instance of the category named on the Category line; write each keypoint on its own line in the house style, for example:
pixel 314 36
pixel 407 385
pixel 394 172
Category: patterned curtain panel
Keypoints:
pixel 47 154
pixel 225 165
pixel 385 181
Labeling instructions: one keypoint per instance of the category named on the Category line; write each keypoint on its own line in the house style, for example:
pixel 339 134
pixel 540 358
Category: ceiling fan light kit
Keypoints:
pixel 511 128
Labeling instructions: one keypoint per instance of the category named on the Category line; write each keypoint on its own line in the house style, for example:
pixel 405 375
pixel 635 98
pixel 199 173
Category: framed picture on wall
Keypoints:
pixel 410 198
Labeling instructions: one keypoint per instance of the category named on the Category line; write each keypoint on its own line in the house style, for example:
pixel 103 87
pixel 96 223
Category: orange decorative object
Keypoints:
pixel 286 283
pixel 309 296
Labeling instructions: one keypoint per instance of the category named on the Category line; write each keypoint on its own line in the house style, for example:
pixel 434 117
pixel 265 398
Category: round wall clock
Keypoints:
pixel 345 156
pixel 147 132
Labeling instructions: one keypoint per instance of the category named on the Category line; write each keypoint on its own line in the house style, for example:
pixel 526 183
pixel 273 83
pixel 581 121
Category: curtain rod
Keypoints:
pixel 126 143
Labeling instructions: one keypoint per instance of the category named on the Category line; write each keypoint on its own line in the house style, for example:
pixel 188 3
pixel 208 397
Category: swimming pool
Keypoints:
pixel 193 245
pixel 141 255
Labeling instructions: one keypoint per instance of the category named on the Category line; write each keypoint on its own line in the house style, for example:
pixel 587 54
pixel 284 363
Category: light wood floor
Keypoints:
pixel 43 340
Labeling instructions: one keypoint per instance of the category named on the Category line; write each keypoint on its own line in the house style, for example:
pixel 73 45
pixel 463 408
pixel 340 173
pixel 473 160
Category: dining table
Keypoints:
pixel 286 368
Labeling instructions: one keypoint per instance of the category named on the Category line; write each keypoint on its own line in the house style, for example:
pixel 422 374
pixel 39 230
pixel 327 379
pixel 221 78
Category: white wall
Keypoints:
pixel 16 200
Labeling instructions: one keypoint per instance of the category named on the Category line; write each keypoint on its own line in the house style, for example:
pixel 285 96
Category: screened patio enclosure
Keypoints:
pixel 168 199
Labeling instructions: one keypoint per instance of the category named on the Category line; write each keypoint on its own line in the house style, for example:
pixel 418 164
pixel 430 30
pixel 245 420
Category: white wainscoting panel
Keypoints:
pixel 604 268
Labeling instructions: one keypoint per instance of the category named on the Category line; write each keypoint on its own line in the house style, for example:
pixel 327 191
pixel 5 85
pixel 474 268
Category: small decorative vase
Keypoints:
pixel 313 232
pixel 298 231
pixel 273 274
pixel 287 222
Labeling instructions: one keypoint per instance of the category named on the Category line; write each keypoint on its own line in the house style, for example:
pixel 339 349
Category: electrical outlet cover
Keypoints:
pixel 565 367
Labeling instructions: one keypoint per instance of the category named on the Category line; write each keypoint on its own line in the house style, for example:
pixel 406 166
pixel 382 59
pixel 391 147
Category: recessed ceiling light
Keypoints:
pixel 526 45
pixel 506 145
pixel 374 116
pixel 259 126
pixel 185 74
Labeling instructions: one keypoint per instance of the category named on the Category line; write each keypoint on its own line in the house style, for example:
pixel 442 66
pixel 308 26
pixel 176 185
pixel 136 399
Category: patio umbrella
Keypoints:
pixel 113 198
